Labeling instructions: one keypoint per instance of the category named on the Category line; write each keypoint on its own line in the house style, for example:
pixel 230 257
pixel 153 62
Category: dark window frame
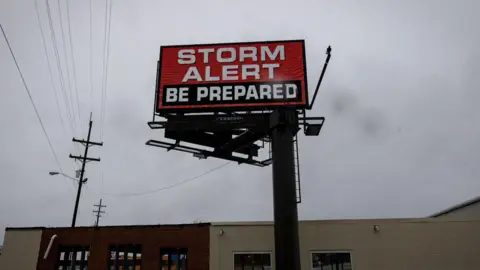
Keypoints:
pixel 74 261
pixel 341 258
pixel 251 265
pixel 125 262
pixel 179 252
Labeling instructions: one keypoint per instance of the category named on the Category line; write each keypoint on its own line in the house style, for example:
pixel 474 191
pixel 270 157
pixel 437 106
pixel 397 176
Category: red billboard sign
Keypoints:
pixel 232 76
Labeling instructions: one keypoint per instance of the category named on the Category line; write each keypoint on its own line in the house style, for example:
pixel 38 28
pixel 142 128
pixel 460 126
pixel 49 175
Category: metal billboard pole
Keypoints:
pixel 284 124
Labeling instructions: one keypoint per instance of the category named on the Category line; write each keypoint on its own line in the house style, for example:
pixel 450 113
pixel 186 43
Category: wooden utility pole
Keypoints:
pixel 99 211
pixel 83 159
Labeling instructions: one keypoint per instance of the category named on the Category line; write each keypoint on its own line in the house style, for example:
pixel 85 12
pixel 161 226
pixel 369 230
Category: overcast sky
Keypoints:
pixel 402 136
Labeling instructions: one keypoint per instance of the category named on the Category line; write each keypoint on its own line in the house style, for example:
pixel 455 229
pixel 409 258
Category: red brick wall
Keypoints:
pixel 195 237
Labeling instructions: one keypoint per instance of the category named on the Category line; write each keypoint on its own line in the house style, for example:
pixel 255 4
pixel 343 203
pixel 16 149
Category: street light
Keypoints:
pixel 78 194
pixel 57 173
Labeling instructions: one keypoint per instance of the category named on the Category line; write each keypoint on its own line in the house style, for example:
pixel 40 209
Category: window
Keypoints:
pixel 173 258
pixel 125 257
pixel 331 261
pixel 73 257
pixel 252 261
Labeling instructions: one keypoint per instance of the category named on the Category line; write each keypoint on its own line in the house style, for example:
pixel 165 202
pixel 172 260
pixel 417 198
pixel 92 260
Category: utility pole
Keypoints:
pixel 84 159
pixel 99 211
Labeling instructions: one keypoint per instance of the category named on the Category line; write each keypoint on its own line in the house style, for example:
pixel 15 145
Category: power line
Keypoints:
pixel 103 68
pixel 169 187
pixel 59 67
pixel 73 63
pixel 91 60
pixel 106 67
pixel 54 88
pixel 33 103
pixel 49 68
pixel 66 60
pixel 106 56
pixel 60 72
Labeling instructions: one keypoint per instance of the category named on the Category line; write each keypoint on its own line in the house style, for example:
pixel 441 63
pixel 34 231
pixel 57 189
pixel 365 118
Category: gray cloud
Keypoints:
pixel 400 96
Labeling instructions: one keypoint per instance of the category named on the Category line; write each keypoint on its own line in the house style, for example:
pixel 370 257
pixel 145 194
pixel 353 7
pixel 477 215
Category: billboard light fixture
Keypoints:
pixel 172 146
pixel 312 125
pixel 312 129
pixel 267 162
pixel 157 124
pixel 203 154
pixel 200 156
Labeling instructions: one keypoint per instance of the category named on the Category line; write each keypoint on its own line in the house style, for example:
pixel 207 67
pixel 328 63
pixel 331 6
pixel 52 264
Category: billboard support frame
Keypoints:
pixel 280 131
pixel 325 65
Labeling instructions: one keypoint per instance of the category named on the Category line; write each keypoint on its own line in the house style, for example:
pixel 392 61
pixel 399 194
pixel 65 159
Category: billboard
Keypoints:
pixel 232 76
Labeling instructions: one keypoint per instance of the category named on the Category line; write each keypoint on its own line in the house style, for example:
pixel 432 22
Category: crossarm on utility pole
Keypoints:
pixel 84 158
pixel 86 142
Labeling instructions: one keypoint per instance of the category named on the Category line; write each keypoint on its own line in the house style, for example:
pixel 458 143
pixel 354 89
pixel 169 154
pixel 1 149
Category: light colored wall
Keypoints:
pixel 246 237
pixel 400 244
pixel 20 249
pixel 468 212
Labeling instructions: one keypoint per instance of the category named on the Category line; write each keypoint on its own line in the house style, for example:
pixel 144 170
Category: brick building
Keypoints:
pixel 169 247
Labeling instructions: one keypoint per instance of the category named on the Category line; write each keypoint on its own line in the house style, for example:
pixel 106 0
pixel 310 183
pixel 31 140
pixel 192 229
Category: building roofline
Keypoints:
pixel 338 221
pixel 24 228
pixel 262 223
pixel 111 226
pixel 456 207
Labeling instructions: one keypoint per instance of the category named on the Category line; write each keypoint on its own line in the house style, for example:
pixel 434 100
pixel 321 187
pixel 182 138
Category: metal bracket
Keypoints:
pixel 283 118
pixel 329 50
pixel 203 154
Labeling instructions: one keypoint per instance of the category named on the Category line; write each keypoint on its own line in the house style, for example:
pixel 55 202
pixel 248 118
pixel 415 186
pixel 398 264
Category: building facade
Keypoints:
pixel 352 244
pixel 169 247
pixel 21 249
pixel 448 240
pixel 469 209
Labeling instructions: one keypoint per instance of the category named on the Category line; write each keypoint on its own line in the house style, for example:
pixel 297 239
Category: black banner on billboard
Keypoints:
pixel 234 93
